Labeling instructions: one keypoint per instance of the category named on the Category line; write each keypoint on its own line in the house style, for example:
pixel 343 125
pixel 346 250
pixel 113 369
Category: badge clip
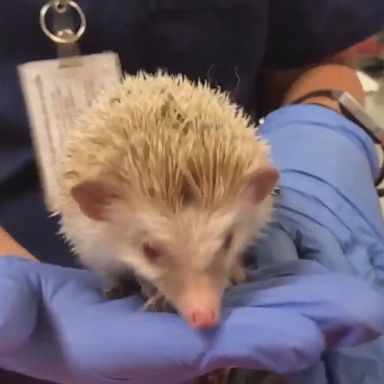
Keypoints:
pixel 64 32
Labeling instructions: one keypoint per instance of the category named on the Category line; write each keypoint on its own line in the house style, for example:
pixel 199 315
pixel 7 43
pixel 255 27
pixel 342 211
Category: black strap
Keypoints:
pixel 332 94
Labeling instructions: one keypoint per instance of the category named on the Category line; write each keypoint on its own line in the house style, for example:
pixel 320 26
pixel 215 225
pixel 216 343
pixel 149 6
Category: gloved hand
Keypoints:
pixel 308 294
pixel 56 325
pixel 330 210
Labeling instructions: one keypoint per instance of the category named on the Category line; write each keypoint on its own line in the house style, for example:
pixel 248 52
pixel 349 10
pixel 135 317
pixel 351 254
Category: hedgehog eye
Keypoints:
pixel 228 240
pixel 151 253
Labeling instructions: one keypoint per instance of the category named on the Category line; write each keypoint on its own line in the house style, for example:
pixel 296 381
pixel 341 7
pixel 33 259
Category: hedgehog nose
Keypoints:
pixel 199 318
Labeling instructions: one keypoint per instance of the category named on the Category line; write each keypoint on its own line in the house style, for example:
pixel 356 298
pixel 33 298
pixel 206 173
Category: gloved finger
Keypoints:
pixel 332 300
pixel 62 289
pixel 346 309
pixel 41 301
pixel 293 236
pixel 102 341
pixel 18 307
pixel 162 348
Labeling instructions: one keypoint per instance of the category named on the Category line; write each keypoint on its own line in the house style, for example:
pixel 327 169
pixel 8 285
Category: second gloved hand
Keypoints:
pixel 56 325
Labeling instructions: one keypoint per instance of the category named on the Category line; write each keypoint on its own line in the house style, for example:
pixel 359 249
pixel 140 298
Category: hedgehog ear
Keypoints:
pixel 94 196
pixel 260 183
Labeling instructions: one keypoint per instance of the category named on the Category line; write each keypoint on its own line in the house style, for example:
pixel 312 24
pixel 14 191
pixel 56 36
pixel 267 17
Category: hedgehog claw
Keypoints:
pixel 119 288
pixel 114 293
pixel 156 303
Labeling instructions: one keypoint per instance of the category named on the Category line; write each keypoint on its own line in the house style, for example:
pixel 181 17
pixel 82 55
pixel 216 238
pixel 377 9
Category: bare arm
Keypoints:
pixel 281 87
pixel 8 246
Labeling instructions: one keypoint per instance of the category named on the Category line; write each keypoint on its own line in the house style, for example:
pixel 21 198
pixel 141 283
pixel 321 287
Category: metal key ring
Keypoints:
pixel 65 38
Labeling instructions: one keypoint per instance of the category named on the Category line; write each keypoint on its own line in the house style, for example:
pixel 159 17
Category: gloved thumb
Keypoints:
pixel 18 305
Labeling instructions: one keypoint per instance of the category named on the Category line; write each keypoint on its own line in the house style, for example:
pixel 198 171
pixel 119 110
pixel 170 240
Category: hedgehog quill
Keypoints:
pixel 167 178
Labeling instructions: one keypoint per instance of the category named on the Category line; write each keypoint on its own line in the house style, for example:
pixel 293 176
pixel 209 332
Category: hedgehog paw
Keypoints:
pixel 119 288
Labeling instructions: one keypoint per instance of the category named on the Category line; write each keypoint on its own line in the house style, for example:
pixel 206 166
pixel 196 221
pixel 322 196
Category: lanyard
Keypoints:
pixel 64 32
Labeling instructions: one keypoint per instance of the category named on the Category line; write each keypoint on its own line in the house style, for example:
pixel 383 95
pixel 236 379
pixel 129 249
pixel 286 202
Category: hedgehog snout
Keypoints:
pixel 197 298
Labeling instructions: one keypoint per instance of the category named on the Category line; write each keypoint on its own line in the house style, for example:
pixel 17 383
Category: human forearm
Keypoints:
pixel 277 84
pixel 329 76
pixel 8 246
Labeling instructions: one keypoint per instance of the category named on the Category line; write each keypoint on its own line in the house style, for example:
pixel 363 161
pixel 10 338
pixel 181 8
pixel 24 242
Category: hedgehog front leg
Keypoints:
pixel 119 287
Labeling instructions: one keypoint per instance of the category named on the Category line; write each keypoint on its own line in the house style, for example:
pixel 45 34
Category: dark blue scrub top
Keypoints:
pixel 223 40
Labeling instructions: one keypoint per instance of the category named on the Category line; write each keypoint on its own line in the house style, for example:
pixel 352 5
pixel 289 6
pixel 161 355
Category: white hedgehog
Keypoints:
pixel 166 178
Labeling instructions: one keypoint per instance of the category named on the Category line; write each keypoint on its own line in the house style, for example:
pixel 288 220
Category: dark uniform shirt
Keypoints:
pixel 226 41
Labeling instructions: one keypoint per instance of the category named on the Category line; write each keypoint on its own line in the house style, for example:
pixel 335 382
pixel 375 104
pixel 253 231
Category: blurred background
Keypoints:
pixel 371 63
pixel 371 73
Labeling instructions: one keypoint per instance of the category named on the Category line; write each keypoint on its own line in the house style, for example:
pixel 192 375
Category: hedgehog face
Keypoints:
pixel 189 255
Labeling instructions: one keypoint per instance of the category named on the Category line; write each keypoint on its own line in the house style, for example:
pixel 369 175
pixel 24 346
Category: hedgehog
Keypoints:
pixel 166 177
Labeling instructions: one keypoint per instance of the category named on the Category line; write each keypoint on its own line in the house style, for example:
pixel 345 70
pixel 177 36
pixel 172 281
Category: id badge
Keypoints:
pixel 57 92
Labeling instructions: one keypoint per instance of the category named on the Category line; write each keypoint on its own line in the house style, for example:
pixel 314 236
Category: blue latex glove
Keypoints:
pixel 315 294
pixel 55 324
pixel 329 208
